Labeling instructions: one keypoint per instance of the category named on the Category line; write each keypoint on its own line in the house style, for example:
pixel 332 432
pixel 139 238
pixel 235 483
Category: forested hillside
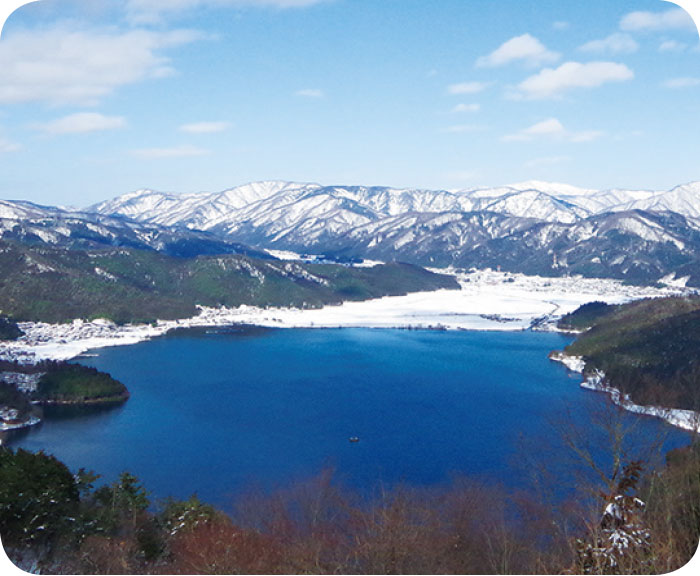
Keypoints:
pixel 649 349
pixel 51 284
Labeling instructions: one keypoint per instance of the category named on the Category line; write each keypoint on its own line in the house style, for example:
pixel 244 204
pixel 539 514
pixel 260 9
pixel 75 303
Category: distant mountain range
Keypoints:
pixel 33 224
pixel 532 227
pixel 293 206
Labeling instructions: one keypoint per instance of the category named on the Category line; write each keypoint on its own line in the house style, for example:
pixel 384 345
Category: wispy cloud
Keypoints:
pixel 204 127
pixel 548 127
pixel 561 25
pixel 687 82
pixel 616 43
pixel 674 19
pixel 467 88
pixel 672 46
pixel 175 152
pixel 153 11
pixel 551 128
pixel 553 82
pixel 525 48
pixel 82 123
pixel 466 108
pixel 7 146
pixel 310 93
pixel 63 66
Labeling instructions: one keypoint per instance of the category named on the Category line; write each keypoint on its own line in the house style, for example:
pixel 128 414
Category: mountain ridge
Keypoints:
pixel 533 227
pixel 573 202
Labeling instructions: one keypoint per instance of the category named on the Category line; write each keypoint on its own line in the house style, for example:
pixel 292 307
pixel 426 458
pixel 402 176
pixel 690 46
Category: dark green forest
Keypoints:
pixel 649 349
pixel 65 383
pixel 9 329
pixel 50 284
pixel 13 398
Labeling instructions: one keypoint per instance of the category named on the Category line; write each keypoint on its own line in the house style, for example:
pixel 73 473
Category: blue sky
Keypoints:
pixel 101 98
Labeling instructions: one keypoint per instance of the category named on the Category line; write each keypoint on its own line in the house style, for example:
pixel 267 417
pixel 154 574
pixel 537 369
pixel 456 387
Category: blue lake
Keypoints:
pixel 217 413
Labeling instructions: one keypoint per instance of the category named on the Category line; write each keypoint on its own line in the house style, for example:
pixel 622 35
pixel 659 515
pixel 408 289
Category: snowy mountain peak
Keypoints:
pixel 302 213
pixel 22 210
pixel 241 196
pixel 684 199
pixel 534 227
pixel 690 187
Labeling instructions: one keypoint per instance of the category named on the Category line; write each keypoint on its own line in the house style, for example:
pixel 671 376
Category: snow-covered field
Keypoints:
pixel 488 300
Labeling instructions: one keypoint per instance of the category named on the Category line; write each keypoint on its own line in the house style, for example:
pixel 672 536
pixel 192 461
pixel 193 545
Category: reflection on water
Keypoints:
pixel 57 413
pixel 68 411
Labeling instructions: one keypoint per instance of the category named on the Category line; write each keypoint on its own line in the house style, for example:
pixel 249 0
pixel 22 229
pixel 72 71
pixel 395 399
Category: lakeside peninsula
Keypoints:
pixel 25 387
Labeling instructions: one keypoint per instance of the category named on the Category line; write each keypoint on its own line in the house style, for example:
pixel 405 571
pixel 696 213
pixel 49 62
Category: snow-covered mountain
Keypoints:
pixel 290 215
pixel 287 206
pixel 33 224
pixel 683 199
pixel 195 211
pixel 532 227
pixel 19 210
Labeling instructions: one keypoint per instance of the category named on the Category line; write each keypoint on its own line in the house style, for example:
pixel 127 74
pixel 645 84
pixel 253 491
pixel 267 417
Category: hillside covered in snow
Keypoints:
pixel 550 229
pixel 532 227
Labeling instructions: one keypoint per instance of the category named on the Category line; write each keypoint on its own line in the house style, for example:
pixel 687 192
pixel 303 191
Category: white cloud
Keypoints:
pixel 62 66
pixel 561 25
pixel 151 11
pixel 82 123
pixel 551 128
pixel 310 93
pixel 553 82
pixel 467 108
pixel 467 87
pixel 686 82
pixel 175 152
pixel 674 19
pixel 204 127
pixel 525 48
pixel 672 46
pixel 614 44
pixel 548 127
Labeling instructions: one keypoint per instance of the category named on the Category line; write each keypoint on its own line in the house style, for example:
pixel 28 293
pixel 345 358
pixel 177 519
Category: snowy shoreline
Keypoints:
pixel 685 419
pixel 32 421
pixel 488 300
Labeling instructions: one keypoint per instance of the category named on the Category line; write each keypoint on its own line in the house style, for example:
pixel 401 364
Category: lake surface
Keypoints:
pixel 219 412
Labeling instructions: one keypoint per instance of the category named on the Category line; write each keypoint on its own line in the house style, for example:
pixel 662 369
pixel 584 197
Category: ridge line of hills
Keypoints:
pixel 541 228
